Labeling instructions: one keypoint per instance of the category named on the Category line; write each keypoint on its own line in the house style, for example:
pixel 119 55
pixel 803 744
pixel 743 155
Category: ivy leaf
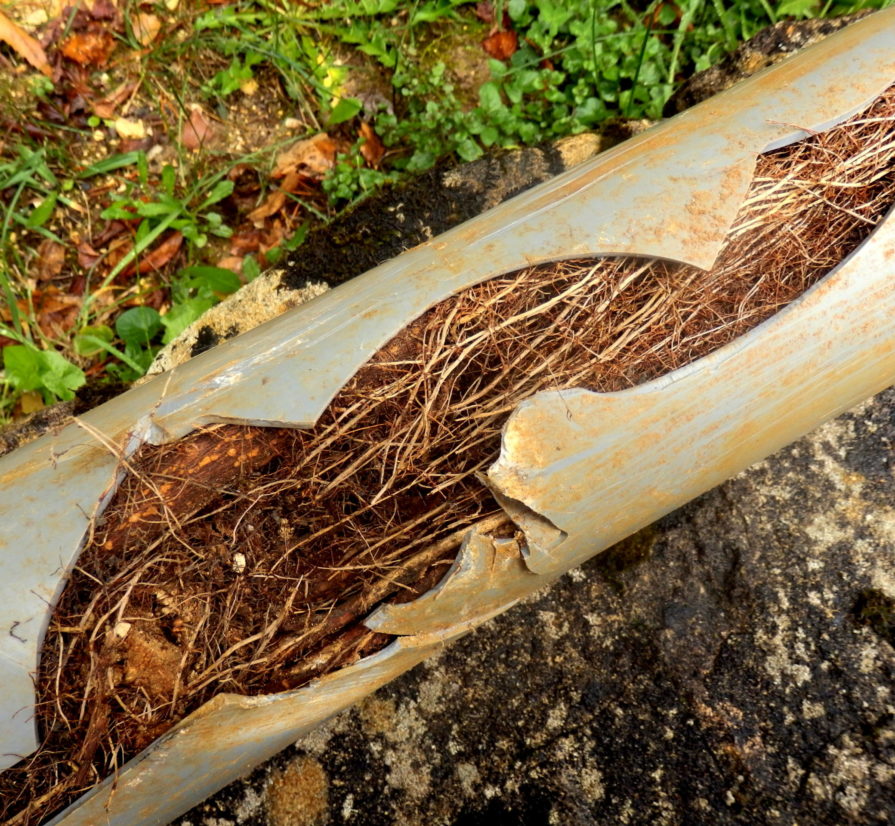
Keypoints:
pixel 344 110
pixel 137 326
pixel 180 316
pixel 59 376
pixel 28 368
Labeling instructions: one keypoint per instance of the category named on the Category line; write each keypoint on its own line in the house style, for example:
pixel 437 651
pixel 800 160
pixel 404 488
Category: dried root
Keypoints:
pixel 242 559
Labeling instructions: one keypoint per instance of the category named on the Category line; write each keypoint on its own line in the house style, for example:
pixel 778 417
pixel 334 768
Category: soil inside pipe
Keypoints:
pixel 243 559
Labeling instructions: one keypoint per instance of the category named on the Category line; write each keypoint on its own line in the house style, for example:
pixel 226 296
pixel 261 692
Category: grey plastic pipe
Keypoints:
pixel 575 473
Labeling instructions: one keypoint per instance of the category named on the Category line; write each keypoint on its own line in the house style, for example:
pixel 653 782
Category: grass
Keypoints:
pixel 142 180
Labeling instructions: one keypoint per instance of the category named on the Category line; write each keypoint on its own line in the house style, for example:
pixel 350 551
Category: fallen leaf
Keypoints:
pixel 115 252
pixel 160 255
pixel 106 107
pixel 87 255
pixel 50 258
pixel 89 48
pixel 198 129
pixel 30 402
pixel 372 149
pixel 112 231
pixel 23 43
pixel 274 234
pixel 501 45
pixel 231 262
pixel 146 27
pixel 103 10
pixel 135 144
pixel 55 311
pixel 314 157
pixel 274 202
pixel 484 10
pixel 244 242
pixel 131 129
pixel 260 239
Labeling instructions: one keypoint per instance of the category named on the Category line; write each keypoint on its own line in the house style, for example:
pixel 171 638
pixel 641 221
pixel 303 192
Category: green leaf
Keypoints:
pixel 469 150
pixel 489 98
pixel 142 168
pixel 122 209
pixel 90 341
pixel 42 212
pixel 59 376
pixel 214 279
pixel 297 239
pixel 796 8
pixel 22 365
pixel 251 269
pixel 137 326
pixel 180 316
pixel 191 233
pixel 112 163
pixel 220 191
pixel 516 8
pixel 144 231
pixel 169 179
pixel 28 368
pixel 344 110
pixel 154 209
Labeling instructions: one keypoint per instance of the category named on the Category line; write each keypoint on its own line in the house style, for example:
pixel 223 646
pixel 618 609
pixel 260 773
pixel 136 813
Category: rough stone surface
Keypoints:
pixel 732 664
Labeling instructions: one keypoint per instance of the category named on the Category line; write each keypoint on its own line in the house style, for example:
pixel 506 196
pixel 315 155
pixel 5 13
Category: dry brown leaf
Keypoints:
pixel 272 235
pixel 501 45
pixel 146 27
pixel 231 262
pixel 198 130
pixel 20 41
pixel 484 10
pixel 31 402
pixel 106 107
pixel 313 157
pixel 50 258
pixel 89 48
pixel 55 311
pixel 160 255
pixel 103 10
pixel 372 149
pixel 245 242
pixel 116 250
pixel 87 255
pixel 273 203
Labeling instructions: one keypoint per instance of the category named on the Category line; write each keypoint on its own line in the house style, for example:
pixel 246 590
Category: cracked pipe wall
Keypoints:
pixel 671 192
